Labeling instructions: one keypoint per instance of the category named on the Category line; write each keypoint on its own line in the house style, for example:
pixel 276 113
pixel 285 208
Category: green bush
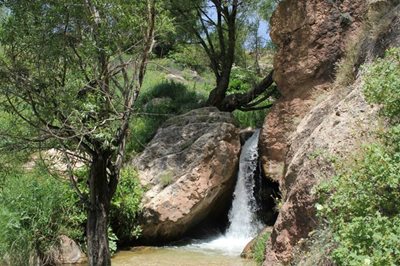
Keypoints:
pixel 125 207
pixel 253 119
pixel 382 83
pixel 362 208
pixel 192 56
pixel 361 205
pixel 35 209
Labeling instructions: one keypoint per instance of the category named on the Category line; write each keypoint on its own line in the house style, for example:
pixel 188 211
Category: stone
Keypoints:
pixel 189 171
pixel 248 250
pixel 68 252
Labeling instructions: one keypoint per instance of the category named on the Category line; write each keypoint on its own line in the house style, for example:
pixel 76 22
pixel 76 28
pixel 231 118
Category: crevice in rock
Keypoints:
pixel 267 195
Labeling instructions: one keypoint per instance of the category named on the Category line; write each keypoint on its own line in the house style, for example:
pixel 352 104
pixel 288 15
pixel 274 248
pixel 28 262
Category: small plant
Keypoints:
pixel 166 178
pixel 125 206
pixel 259 247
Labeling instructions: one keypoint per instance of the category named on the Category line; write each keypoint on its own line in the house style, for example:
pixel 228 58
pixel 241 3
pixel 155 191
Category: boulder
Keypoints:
pixel 68 252
pixel 189 171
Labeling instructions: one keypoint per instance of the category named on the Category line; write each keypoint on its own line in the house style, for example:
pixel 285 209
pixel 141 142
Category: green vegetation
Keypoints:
pixel 259 247
pixel 35 209
pixel 382 83
pixel 70 75
pixel 166 178
pixel 362 204
pixel 125 207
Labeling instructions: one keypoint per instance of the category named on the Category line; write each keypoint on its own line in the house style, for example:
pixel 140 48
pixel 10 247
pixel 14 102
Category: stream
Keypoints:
pixel 221 250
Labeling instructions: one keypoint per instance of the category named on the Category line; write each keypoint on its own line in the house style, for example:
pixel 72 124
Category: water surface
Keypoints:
pixel 176 256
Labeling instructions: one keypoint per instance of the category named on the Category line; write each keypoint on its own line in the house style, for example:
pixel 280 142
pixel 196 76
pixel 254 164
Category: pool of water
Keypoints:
pixel 177 256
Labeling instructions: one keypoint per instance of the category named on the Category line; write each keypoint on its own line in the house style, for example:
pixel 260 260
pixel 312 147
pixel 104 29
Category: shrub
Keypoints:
pixel 35 209
pixel 192 56
pixel 382 83
pixel 125 207
pixel 253 119
pixel 362 204
pixel 363 210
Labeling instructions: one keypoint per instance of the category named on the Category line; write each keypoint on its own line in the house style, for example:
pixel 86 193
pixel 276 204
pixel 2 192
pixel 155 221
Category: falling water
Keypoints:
pixel 243 223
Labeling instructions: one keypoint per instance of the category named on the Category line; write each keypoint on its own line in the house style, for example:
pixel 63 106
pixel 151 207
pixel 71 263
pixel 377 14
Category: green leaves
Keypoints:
pixel 362 204
pixel 382 83
pixel 35 209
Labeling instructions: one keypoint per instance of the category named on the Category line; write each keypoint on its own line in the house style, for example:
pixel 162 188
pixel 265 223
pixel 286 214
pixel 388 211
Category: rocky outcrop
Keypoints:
pixel 311 37
pixel 317 121
pixel 189 170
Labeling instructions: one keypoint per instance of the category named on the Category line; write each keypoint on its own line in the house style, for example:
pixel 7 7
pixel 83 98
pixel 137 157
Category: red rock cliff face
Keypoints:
pixel 311 37
pixel 316 122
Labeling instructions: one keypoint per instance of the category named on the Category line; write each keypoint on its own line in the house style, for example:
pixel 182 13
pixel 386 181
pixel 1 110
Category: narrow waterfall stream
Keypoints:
pixel 243 222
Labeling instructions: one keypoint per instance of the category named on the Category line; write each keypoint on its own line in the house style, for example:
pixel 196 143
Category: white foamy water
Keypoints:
pixel 243 223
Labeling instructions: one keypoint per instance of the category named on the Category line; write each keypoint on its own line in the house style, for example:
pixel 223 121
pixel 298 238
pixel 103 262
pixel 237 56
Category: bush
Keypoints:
pixel 362 204
pixel 382 83
pixel 192 56
pixel 125 207
pixel 35 209
pixel 363 210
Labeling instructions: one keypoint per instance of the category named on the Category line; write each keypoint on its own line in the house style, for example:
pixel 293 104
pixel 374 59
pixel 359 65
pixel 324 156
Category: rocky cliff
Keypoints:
pixel 318 120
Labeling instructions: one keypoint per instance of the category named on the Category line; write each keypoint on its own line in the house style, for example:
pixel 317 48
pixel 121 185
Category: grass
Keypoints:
pixel 161 99
pixel 259 247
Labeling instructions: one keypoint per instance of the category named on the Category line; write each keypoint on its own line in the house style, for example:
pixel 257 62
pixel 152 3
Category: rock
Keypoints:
pixel 316 122
pixel 189 170
pixel 175 78
pixel 309 44
pixel 69 252
pixel 245 134
pixel 56 161
pixel 248 250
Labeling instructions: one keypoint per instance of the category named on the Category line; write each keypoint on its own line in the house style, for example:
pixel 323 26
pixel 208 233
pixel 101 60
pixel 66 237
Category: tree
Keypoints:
pixel 72 71
pixel 216 31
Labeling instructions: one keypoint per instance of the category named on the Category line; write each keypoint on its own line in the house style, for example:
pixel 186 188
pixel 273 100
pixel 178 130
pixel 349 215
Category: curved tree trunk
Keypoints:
pixel 97 223
pixel 242 101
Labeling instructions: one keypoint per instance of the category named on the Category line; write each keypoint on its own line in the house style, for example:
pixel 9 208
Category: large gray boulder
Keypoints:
pixel 188 170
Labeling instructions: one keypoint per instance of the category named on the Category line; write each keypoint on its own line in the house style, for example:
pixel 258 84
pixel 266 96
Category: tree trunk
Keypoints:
pixel 218 94
pixel 97 223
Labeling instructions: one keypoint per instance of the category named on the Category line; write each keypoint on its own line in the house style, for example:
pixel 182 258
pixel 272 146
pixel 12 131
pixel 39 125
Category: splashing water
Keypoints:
pixel 243 223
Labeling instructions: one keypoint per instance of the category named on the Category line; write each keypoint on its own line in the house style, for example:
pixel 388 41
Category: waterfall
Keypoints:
pixel 243 223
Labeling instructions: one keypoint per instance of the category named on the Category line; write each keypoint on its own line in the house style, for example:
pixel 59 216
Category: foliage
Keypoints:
pixel 125 206
pixel 259 247
pixel 35 209
pixel 382 83
pixel 267 8
pixel 191 56
pixel 112 241
pixel 241 80
pixel 253 119
pixel 361 204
